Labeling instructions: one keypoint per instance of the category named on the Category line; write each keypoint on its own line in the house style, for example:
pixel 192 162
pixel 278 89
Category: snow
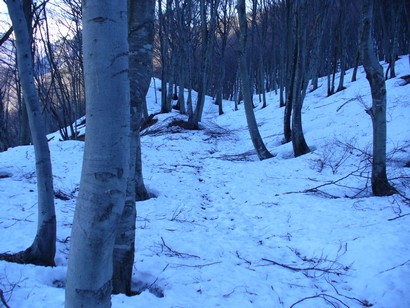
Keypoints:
pixel 224 229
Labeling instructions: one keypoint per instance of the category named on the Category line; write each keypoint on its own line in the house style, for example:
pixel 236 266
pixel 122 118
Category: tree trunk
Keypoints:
pixel 164 49
pixel 25 134
pixel 208 37
pixel 3 130
pixel 106 162
pixel 140 37
pixel 42 250
pixel 287 131
pixel 374 74
pixel 356 66
pixel 181 94
pixel 25 137
pixel 257 141
pixel 262 80
pixel 342 48
pixel 301 81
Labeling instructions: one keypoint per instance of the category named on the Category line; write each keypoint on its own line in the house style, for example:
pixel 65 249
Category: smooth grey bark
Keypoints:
pixel 42 250
pixel 140 38
pixel 257 141
pixel 105 169
pixel 25 135
pixel 374 74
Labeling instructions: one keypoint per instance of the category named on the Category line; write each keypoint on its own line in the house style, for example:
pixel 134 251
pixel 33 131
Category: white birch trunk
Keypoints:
pixel 106 156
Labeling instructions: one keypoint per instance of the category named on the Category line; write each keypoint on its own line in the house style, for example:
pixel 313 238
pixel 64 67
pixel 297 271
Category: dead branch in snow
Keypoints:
pixel 3 300
pixel 197 265
pixel 394 267
pixel 172 252
pixel 340 270
pixel 364 303
pixel 325 296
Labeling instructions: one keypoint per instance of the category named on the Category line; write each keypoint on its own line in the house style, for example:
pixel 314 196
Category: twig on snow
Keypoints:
pixel 197 265
pixel 301 269
pixel 399 216
pixel 394 267
pixel 177 253
pixel 243 259
pixel 321 295
pixel 364 303
pixel 3 300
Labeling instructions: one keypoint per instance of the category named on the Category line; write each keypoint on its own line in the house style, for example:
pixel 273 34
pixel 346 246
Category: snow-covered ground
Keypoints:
pixel 227 230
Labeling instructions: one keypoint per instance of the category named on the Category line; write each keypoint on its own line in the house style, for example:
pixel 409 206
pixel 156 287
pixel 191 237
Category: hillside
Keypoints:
pixel 224 229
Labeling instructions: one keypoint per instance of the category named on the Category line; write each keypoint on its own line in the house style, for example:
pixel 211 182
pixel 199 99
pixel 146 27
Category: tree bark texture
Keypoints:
pixel 140 38
pixel 106 155
pixel 42 250
pixel 374 74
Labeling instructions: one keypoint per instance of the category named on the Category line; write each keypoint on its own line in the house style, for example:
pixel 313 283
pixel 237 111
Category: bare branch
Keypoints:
pixel 321 295
pixel 3 300
pixel 177 253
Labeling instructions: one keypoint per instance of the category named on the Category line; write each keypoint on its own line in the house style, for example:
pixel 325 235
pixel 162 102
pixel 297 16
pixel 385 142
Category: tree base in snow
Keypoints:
pixel 383 188
pixel 26 257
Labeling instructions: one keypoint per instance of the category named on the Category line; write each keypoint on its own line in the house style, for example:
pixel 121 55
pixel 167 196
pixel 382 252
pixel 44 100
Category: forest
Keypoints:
pixel 204 153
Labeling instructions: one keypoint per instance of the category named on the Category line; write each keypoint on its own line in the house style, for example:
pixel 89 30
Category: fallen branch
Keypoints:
pixel 394 267
pixel 243 259
pixel 177 253
pixel 399 216
pixel 348 101
pixel 3 300
pixel 302 269
pixel 322 295
pixel 364 303
pixel 315 189
pixel 198 265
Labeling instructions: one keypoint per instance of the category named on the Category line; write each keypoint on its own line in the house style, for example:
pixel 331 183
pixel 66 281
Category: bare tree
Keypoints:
pixel 208 39
pixel 106 155
pixel 257 141
pixel 164 23
pixel 225 25
pixel 42 250
pixel 61 85
pixel 374 74
pixel 298 71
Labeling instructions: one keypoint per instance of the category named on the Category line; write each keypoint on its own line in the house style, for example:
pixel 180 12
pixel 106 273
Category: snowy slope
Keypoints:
pixel 227 230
